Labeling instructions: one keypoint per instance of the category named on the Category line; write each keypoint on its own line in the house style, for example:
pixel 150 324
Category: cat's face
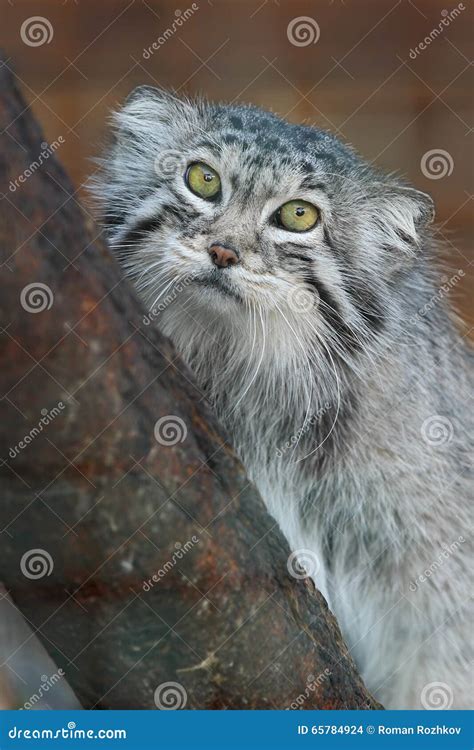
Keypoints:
pixel 247 211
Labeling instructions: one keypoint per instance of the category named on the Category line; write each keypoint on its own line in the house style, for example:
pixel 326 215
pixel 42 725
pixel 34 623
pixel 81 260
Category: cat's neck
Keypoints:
pixel 276 389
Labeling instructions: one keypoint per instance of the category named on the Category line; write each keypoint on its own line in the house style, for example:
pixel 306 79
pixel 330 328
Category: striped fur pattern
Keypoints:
pixel 317 361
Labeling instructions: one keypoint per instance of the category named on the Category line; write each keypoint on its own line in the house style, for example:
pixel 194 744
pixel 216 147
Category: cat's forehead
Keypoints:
pixel 252 142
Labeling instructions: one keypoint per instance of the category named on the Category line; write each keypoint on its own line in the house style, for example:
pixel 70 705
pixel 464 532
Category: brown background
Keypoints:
pixel 357 80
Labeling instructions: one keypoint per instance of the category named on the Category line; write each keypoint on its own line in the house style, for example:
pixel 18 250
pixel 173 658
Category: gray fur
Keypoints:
pixel 317 360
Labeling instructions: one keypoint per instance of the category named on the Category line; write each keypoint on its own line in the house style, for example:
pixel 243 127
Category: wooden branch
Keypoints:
pixel 131 537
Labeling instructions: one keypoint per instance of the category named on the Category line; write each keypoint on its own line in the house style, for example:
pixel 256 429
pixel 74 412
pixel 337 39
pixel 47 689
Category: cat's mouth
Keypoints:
pixel 219 281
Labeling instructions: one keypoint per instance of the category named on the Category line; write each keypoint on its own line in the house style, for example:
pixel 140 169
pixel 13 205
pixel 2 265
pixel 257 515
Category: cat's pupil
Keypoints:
pixel 208 177
pixel 300 211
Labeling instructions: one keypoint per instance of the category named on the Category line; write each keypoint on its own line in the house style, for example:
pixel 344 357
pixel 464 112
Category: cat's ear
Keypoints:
pixel 398 217
pixel 149 104
pixel 146 93
pixel 408 205
pixel 147 130
pixel 141 92
pixel 152 116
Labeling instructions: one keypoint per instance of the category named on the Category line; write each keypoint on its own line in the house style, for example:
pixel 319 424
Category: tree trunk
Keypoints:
pixel 131 537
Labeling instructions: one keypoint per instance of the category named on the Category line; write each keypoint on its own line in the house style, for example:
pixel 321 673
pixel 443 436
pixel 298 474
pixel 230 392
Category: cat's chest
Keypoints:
pixel 268 445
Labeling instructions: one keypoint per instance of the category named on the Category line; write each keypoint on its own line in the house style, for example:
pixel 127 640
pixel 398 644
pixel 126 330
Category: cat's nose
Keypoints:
pixel 222 257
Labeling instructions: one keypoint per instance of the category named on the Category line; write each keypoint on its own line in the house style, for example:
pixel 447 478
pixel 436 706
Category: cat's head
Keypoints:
pixel 244 210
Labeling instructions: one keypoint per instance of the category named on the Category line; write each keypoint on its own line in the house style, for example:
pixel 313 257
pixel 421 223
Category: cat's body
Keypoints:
pixel 347 405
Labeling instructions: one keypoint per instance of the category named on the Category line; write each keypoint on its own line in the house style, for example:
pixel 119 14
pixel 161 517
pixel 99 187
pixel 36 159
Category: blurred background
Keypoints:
pixel 391 77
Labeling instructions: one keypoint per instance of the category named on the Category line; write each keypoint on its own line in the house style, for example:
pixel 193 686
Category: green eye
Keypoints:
pixel 203 180
pixel 297 216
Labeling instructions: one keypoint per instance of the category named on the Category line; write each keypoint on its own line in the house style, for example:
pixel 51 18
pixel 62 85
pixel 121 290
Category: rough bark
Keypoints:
pixel 109 505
